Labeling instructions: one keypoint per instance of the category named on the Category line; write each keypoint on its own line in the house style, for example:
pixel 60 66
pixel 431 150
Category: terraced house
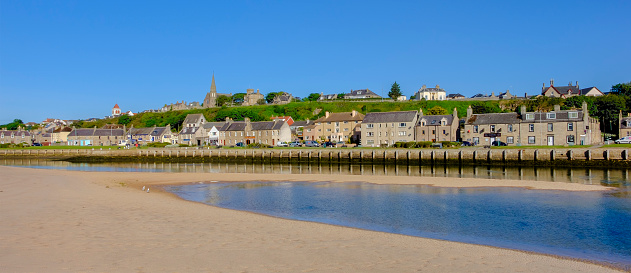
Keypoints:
pixel 335 127
pixel 150 134
pixel 246 132
pixel 557 127
pixel 437 128
pixel 193 133
pixel 96 137
pixel 387 128
pixel 15 136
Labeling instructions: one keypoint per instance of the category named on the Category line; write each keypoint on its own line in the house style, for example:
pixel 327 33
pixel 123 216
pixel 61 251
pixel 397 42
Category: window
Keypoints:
pixel 531 127
pixel 475 128
pixel 443 123
pixel 510 140
pixel 370 142
pixel 530 116
pixel 423 131
pixel 551 115
pixel 328 130
pixel 531 140
pixel 550 127
pixel 423 123
pixel 337 124
pixel 402 124
pixel 402 133
pixel 337 130
pixel 573 114
pixel 345 129
pixel 570 139
pixel 433 132
pixel 492 128
pixel 370 134
pixel 308 130
pixel 370 126
pixel 444 132
pixel 476 140
pixel 510 127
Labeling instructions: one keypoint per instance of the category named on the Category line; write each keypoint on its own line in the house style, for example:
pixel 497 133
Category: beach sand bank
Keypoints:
pixel 64 221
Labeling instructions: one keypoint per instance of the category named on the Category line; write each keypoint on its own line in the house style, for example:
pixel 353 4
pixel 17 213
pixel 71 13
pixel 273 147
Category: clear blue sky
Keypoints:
pixel 76 59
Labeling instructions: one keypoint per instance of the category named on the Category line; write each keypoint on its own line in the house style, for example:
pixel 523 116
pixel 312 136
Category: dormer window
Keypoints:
pixel 573 114
pixel 551 115
pixel 530 116
pixel 444 122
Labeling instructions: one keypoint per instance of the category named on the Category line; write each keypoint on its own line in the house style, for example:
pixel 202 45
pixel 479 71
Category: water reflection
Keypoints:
pixel 608 177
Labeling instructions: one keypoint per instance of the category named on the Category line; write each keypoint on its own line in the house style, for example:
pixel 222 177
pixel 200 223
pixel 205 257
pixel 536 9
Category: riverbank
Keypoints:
pixel 57 221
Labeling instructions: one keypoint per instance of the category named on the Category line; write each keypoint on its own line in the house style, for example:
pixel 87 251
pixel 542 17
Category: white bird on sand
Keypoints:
pixel 147 190
pixel 143 188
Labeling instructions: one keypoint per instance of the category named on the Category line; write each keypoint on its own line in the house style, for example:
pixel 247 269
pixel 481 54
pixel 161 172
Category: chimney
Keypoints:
pixel 577 85
pixel 246 119
pixel 353 113
pixel 551 82
pixel 437 86
pixel 326 114
pixel 423 87
pixel 557 108
pixel 569 84
pixel 492 94
pixel 469 111
pixel 420 112
pixel 522 110
pixel 455 113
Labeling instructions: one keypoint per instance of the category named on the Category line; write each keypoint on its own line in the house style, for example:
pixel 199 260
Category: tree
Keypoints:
pixel 271 95
pixel 609 107
pixel 223 100
pixel 340 95
pixel 124 119
pixel 622 89
pixel 260 102
pixel 312 97
pixel 238 98
pixel 395 91
pixel 13 125
pixel 436 110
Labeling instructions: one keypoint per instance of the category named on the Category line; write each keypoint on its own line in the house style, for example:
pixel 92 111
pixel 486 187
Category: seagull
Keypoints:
pixel 147 190
pixel 143 188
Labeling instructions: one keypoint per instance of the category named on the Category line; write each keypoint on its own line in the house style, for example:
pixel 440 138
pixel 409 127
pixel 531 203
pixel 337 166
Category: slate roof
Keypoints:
pixel 267 125
pixel 626 123
pixel 344 116
pixel 189 130
pixel 383 117
pixel 192 118
pixel 302 123
pixel 210 125
pixel 81 132
pixel 560 116
pixel 109 132
pixel 494 118
pixel 233 126
pixel 140 131
pixel 362 93
pixel 586 90
pixel 564 90
pixel 457 95
pixel 16 132
pixel 158 131
pixel 434 120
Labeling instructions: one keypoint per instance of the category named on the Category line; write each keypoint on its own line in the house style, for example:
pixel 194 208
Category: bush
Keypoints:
pixel 157 144
pixel 259 145
pixel 423 144
pixel 183 145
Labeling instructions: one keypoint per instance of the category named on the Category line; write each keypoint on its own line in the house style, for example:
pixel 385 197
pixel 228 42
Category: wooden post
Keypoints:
pixel 588 154
pixel 607 157
pixel 520 155
pixel 552 155
pixel 570 154
pixel 536 155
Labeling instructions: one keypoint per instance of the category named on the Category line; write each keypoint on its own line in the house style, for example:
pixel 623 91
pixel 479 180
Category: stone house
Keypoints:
pixel 284 98
pixel 335 127
pixel 436 128
pixel 624 125
pixel 150 134
pixel 436 93
pixel 384 129
pixel 361 94
pixel 557 127
pixel 298 128
pixel 193 133
pixel 568 91
pixel 252 98
pixel 15 136
pixel 96 137
pixel 247 132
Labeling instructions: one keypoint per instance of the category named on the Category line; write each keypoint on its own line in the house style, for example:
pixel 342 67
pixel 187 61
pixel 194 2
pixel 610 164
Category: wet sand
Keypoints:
pixel 64 221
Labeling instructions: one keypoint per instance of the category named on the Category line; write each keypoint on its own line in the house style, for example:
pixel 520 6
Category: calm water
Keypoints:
pixel 609 177
pixel 594 226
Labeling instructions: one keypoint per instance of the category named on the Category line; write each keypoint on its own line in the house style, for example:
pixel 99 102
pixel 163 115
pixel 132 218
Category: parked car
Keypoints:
pixel 282 144
pixel 626 139
pixel 498 143
pixel 311 143
pixel 467 143
pixel 327 144
pixel 295 144
pixel 37 144
pixel 340 144
pixel 240 144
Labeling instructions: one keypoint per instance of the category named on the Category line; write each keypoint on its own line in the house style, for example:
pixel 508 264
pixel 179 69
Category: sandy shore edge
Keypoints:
pixel 129 230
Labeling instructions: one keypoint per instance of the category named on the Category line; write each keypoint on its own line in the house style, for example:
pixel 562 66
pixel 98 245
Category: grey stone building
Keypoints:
pixel 387 128
pixel 436 128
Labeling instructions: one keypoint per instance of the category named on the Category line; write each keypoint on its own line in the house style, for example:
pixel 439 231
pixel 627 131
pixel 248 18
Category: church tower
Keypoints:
pixel 211 97
pixel 116 111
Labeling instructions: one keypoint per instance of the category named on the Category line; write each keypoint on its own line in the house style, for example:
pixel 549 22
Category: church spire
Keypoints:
pixel 213 89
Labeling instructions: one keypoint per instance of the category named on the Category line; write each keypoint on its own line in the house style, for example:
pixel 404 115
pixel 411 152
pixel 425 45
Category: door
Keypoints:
pixel 550 140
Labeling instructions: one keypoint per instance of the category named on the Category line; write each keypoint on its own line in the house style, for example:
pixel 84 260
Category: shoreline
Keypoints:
pixel 126 223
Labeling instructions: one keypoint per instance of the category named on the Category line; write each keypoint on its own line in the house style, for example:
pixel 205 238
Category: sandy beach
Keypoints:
pixel 65 221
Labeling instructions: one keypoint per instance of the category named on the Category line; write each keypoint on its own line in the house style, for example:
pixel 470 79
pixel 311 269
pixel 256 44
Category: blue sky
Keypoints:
pixel 76 59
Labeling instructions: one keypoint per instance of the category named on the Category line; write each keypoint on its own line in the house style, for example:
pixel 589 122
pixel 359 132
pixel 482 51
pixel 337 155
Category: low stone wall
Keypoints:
pixel 467 156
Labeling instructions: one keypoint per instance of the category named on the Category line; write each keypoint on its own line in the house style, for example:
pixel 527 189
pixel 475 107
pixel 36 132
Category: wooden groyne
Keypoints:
pixel 465 156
